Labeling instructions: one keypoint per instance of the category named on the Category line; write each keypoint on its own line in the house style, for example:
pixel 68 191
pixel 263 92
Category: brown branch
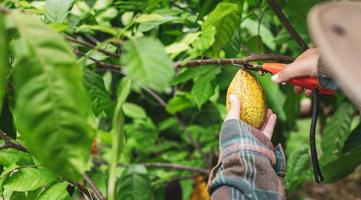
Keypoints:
pixel 287 25
pixel 239 61
pixel 98 62
pixel 91 46
pixel 9 143
pixel 4 10
pixel 97 192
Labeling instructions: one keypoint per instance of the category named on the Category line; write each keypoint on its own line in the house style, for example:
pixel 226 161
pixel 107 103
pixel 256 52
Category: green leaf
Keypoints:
pixel 338 128
pixel 134 111
pixel 191 73
pixel 100 99
pixel 183 45
pixel 226 20
pixel 342 166
pixel 146 63
pixel 347 161
pixel 4 65
pixel 298 164
pixel 13 156
pixel 134 184
pixel 117 135
pixel 18 196
pixel 257 29
pixel 179 103
pixel 275 97
pixel 57 10
pixel 52 109
pixel 206 40
pixel 55 192
pixel 27 179
pixel 203 89
pixel 151 21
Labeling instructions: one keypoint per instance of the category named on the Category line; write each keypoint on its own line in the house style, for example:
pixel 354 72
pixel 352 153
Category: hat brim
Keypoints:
pixel 336 29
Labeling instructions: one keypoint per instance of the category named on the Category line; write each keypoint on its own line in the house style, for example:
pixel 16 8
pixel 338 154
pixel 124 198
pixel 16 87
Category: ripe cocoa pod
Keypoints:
pixel 251 98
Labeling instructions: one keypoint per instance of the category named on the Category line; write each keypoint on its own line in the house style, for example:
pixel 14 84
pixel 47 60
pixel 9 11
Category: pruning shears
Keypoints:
pixel 309 82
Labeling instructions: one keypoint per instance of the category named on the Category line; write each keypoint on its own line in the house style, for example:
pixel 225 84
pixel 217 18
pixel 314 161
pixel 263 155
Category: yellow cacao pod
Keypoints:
pixel 251 98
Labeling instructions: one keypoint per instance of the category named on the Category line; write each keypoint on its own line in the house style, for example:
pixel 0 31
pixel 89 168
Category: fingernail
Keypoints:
pixel 275 78
pixel 233 97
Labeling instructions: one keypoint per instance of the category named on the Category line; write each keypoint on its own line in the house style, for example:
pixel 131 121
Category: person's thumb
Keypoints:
pixel 234 107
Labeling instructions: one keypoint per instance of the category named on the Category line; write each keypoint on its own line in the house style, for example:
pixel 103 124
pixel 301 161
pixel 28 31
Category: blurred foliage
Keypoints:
pixel 120 105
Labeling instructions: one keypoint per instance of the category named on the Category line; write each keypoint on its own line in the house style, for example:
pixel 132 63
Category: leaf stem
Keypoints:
pixel 91 46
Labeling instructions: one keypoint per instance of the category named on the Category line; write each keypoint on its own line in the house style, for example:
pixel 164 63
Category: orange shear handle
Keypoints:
pixel 307 82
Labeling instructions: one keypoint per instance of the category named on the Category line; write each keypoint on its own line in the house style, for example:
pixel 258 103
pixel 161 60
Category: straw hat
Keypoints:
pixel 336 29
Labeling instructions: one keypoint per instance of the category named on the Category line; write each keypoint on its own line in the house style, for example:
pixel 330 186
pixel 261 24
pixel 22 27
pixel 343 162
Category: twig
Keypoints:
pixel 227 61
pixel 98 62
pixel 86 44
pixel 287 25
pixel 155 96
pixel 84 190
pixel 97 192
pixel 10 144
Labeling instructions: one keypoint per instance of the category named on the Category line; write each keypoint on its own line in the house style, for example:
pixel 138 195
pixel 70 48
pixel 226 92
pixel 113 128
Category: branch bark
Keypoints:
pixel 9 143
pixel 287 25
pixel 97 192
pixel 239 61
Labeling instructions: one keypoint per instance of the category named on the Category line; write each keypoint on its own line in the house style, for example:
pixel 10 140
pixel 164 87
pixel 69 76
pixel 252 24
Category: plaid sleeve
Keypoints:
pixel 249 167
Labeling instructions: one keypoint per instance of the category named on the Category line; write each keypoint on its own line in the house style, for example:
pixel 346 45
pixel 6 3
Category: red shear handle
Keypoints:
pixel 310 82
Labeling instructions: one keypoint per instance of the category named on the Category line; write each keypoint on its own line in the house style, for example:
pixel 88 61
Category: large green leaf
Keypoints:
pixel 203 89
pixel 347 161
pixel 191 73
pixel 55 192
pixel 257 28
pixel 275 97
pixel 179 102
pixel 298 165
pixel 4 65
pixel 27 179
pixel 13 156
pixel 134 184
pixel 52 108
pixel 57 10
pixel 225 18
pixel 146 63
pixel 101 103
pixel 117 135
pixel 337 130
pixel 134 111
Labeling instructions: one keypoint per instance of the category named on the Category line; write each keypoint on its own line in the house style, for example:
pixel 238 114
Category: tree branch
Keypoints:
pixel 91 46
pixel 230 61
pixel 97 192
pixel 287 25
pixel 98 62
pixel 10 144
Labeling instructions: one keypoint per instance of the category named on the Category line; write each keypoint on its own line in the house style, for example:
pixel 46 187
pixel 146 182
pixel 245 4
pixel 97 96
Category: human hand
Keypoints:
pixel 234 113
pixel 304 65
